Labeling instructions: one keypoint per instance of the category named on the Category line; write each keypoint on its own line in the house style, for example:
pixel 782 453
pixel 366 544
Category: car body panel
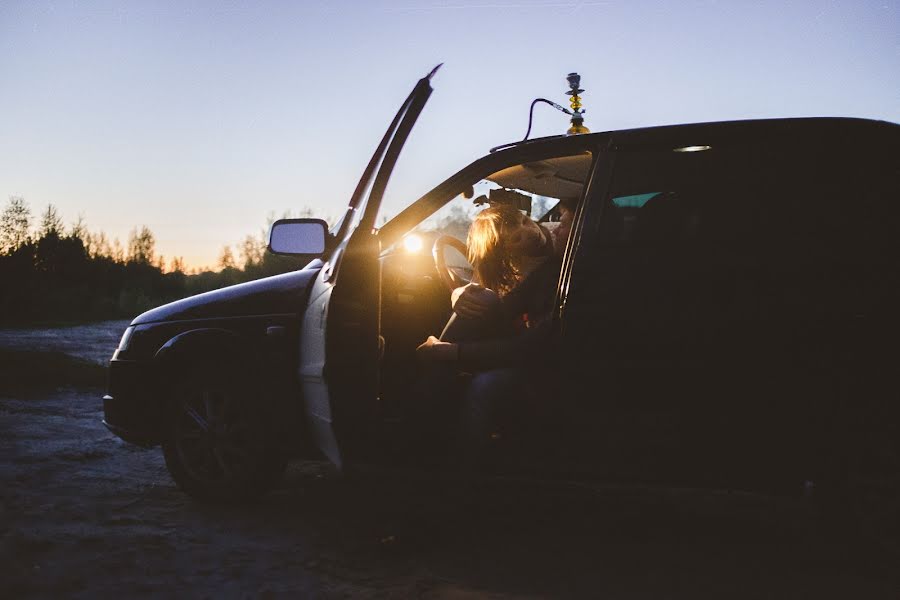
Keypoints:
pixel 259 319
pixel 745 381
pixel 272 295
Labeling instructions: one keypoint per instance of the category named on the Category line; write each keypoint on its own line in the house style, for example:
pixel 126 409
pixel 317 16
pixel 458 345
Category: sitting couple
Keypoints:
pixel 499 326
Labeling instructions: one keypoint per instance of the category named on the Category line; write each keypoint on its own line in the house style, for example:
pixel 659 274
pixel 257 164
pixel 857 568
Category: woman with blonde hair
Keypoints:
pixel 499 328
pixel 516 270
pixel 500 242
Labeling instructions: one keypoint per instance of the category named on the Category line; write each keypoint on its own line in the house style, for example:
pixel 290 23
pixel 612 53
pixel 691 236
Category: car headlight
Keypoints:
pixel 126 339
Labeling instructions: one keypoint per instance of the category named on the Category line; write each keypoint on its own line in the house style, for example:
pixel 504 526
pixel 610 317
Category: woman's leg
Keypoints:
pixel 433 408
pixel 487 402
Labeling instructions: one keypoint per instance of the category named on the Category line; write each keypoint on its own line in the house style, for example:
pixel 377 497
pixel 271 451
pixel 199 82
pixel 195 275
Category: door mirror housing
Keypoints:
pixel 298 236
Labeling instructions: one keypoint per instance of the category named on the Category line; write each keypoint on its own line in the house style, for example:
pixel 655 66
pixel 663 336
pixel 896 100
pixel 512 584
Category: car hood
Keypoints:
pixel 279 294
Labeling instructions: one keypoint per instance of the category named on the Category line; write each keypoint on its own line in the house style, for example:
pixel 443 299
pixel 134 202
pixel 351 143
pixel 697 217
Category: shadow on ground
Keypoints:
pixel 85 515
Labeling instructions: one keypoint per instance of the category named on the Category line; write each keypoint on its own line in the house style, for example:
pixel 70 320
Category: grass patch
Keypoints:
pixel 34 370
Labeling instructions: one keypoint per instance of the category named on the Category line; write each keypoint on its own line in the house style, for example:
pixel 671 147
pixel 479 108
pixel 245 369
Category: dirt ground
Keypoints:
pixel 83 514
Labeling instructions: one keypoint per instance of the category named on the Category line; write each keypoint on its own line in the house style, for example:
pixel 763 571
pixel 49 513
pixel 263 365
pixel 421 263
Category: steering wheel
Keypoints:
pixel 453 277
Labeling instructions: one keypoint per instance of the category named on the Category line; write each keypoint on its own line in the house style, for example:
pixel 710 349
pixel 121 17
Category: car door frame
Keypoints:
pixel 595 186
pixel 336 398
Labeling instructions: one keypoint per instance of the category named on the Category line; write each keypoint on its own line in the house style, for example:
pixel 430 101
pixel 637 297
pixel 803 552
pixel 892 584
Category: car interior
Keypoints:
pixel 415 298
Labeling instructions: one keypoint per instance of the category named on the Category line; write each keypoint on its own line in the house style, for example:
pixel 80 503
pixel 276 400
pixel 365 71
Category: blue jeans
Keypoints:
pixel 488 400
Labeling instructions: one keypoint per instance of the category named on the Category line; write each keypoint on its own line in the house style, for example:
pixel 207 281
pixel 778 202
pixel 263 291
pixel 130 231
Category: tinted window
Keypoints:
pixel 738 250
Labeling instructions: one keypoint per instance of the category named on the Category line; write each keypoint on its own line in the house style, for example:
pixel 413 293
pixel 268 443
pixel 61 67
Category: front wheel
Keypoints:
pixel 220 444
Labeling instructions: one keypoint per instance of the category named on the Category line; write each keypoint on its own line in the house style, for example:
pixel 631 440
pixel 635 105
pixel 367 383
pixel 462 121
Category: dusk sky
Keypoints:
pixel 201 119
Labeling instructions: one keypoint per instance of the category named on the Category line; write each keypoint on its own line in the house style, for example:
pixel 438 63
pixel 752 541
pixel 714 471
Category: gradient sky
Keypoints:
pixel 200 119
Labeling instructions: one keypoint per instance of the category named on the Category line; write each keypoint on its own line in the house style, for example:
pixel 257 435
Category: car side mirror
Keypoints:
pixel 298 236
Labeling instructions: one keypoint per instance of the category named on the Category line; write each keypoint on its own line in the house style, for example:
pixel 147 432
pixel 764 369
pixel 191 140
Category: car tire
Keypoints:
pixel 220 443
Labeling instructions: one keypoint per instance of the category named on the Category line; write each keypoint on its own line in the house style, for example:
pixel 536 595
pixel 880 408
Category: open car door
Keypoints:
pixel 339 340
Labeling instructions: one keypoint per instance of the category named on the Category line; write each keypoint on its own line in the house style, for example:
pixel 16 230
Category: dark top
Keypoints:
pixel 531 305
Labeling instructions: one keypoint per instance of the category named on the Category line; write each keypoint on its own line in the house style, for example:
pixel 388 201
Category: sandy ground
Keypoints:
pixel 83 514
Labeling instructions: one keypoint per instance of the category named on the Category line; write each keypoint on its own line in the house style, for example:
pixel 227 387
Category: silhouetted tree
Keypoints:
pixel 456 222
pixel 118 253
pixel 253 249
pixel 78 275
pixel 51 223
pixel 97 245
pixel 226 258
pixel 177 265
pixel 79 230
pixel 141 246
pixel 15 223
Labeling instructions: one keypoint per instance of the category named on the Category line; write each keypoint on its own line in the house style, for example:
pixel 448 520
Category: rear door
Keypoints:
pixel 718 290
pixel 339 345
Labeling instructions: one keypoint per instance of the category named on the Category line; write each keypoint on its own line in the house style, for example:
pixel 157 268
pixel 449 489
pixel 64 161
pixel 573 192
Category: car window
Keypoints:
pixel 530 185
pixel 455 217
pixel 714 253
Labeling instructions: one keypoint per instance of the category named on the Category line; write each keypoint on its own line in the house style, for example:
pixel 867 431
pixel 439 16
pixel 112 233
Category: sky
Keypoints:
pixel 201 120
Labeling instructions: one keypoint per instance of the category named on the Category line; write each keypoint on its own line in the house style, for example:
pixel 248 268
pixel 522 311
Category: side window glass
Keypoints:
pixel 546 190
pixel 705 253
pixel 651 217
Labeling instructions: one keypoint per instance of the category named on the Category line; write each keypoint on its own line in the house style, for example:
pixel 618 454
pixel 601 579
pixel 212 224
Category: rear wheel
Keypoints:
pixel 220 443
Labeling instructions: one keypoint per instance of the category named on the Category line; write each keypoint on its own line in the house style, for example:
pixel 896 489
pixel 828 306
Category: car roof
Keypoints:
pixel 730 131
pixel 843 133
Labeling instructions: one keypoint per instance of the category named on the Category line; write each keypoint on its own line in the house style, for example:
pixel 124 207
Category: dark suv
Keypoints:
pixel 726 315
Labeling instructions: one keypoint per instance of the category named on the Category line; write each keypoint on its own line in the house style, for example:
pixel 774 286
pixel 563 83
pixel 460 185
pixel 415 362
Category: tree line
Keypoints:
pixel 53 273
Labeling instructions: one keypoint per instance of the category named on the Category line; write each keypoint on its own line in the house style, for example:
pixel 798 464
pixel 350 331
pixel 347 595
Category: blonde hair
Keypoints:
pixel 493 266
